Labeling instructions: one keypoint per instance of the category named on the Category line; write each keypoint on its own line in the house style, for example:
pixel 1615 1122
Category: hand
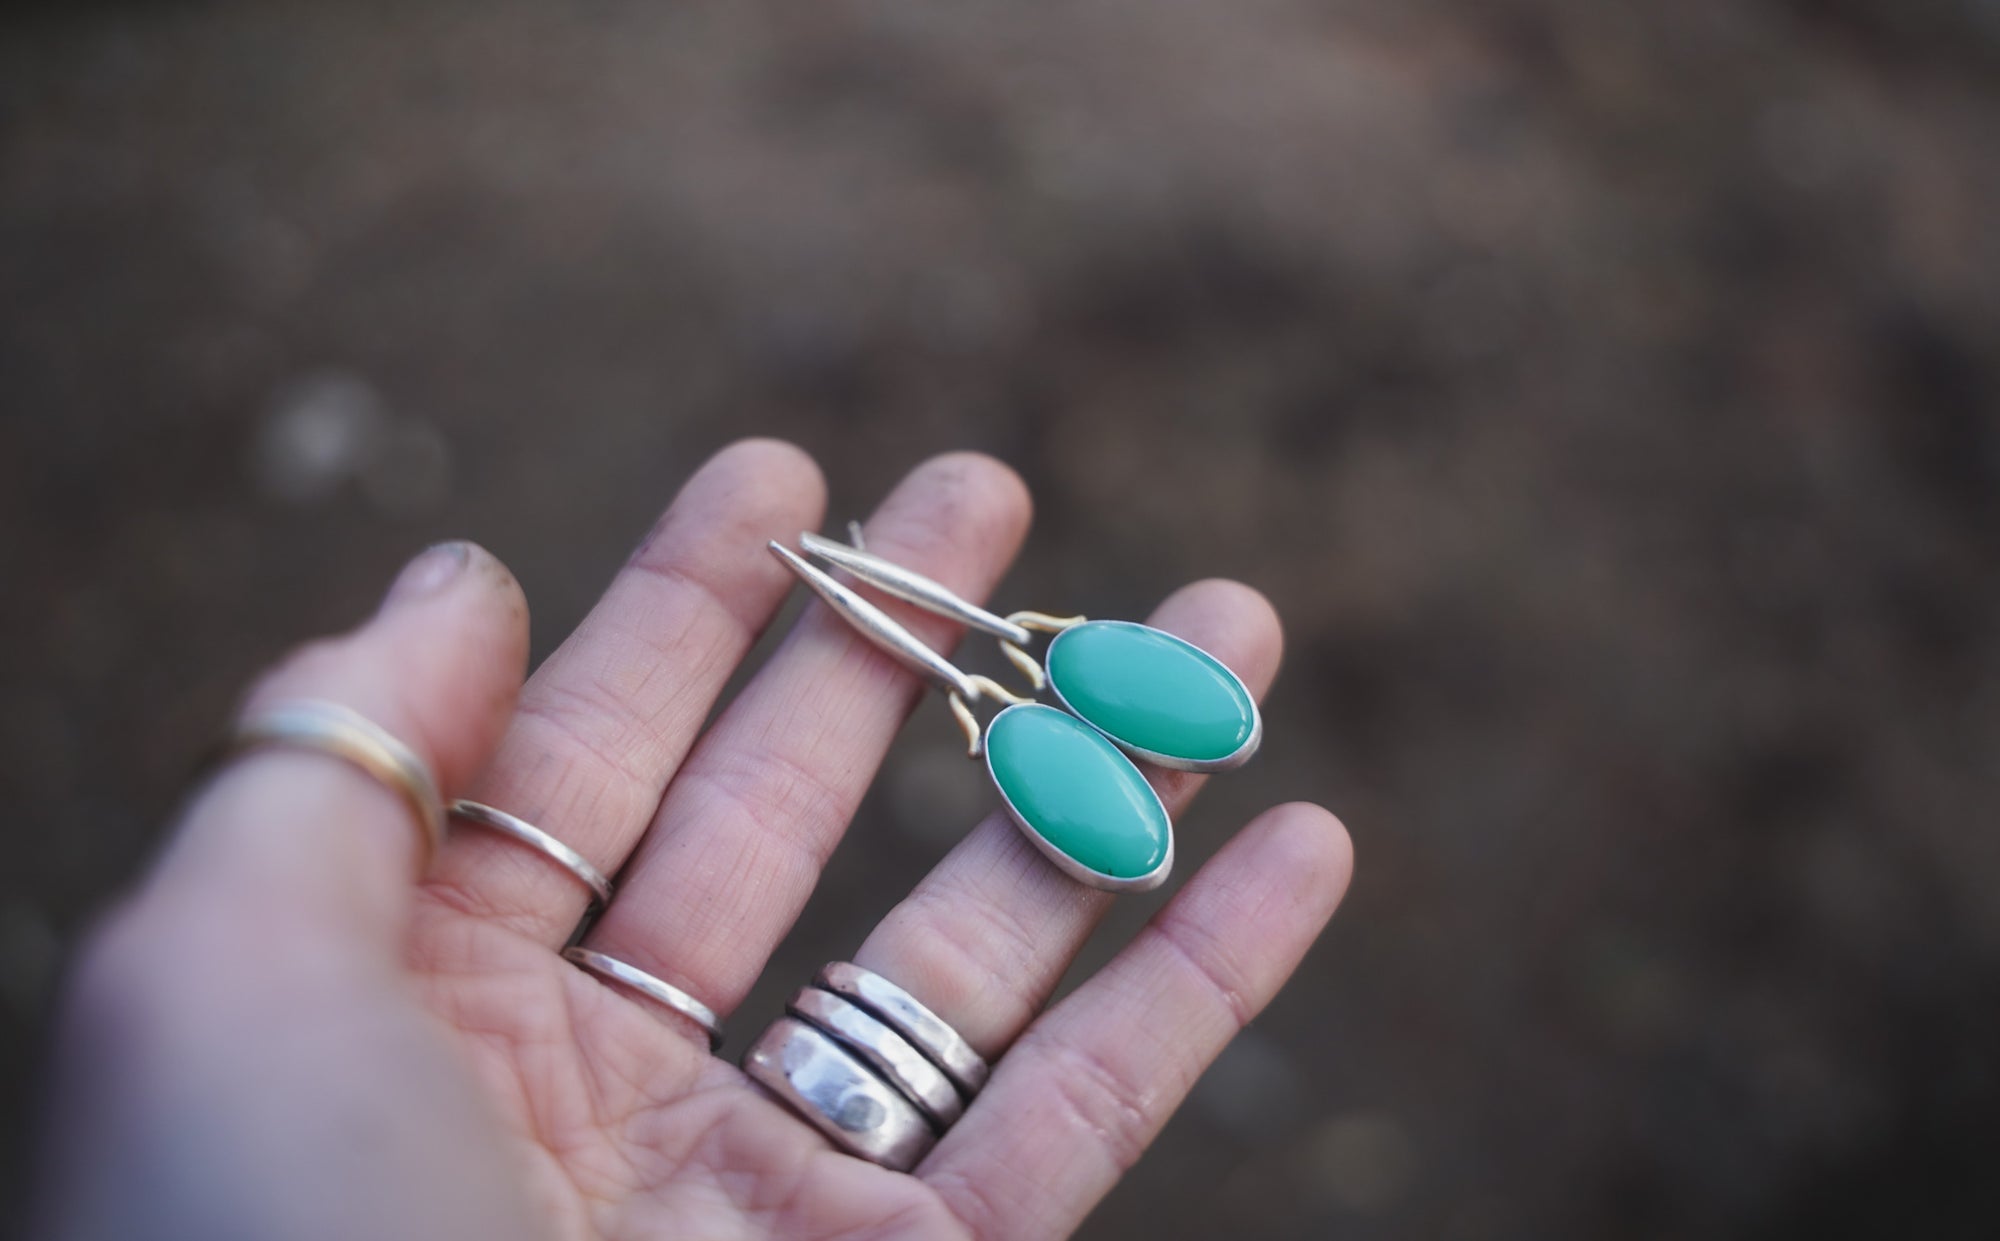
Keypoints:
pixel 283 1036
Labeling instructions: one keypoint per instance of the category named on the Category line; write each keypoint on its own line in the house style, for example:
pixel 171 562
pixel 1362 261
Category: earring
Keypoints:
pixel 1156 696
pixel 1065 778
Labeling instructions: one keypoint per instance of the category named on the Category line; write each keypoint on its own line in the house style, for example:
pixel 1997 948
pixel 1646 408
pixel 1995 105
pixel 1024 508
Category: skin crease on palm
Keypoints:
pixel 284 1033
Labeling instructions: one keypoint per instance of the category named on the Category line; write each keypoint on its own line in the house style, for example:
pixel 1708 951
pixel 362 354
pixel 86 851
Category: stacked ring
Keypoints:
pixel 815 1075
pixel 867 1064
pixel 903 1011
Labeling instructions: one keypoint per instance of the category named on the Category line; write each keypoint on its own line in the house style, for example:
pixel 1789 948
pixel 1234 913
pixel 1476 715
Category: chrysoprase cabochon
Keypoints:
pixel 1158 697
pixel 1079 799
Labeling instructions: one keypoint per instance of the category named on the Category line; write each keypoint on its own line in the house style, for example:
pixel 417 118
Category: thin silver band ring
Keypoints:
pixel 664 994
pixel 318 726
pixel 540 841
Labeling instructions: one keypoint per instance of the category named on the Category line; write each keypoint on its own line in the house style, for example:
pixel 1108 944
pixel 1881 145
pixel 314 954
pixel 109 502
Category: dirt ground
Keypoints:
pixel 1605 394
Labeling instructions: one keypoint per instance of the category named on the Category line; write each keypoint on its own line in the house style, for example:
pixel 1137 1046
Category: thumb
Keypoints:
pixel 438 666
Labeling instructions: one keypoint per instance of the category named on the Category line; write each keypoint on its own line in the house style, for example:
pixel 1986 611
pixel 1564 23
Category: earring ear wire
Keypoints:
pixel 961 688
pixel 1012 632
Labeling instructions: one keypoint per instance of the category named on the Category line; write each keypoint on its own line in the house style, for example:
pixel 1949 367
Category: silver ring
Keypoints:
pixel 344 733
pixel 540 841
pixel 862 1061
pixel 891 1055
pixel 839 1095
pixel 664 994
pixel 907 1016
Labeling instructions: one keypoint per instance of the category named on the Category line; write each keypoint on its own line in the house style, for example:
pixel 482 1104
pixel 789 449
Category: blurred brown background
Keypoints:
pixel 1606 397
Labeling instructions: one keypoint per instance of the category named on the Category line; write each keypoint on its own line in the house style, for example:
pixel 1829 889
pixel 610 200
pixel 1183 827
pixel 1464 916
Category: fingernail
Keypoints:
pixel 428 573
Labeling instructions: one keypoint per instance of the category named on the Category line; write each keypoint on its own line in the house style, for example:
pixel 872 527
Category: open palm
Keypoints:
pixel 282 1035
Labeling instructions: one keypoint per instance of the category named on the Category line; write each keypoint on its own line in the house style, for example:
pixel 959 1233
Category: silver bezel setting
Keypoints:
pixel 1234 759
pixel 1063 861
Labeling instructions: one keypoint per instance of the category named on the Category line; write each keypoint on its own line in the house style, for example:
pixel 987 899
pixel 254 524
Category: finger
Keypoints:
pixel 604 723
pixel 987 935
pixel 236 1054
pixel 1087 1088
pixel 438 666
pixel 749 822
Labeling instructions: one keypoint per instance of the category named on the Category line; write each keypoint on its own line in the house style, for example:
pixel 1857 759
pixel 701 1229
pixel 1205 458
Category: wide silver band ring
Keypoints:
pixel 535 838
pixel 821 1080
pixel 907 1016
pixel 891 1055
pixel 664 994
pixel 868 1065
pixel 329 728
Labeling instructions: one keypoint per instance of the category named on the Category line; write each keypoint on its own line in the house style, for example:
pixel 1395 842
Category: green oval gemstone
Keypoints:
pixel 1084 800
pixel 1150 691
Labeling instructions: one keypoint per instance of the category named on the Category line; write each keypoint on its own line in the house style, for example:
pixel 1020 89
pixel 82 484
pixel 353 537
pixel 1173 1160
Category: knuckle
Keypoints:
pixel 977 946
pixel 972 1206
pixel 1103 1100
pixel 773 790
pixel 1207 962
pixel 692 588
pixel 584 725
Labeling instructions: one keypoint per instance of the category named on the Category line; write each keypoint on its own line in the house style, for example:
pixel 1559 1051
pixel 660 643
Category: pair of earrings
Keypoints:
pixel 1064 775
